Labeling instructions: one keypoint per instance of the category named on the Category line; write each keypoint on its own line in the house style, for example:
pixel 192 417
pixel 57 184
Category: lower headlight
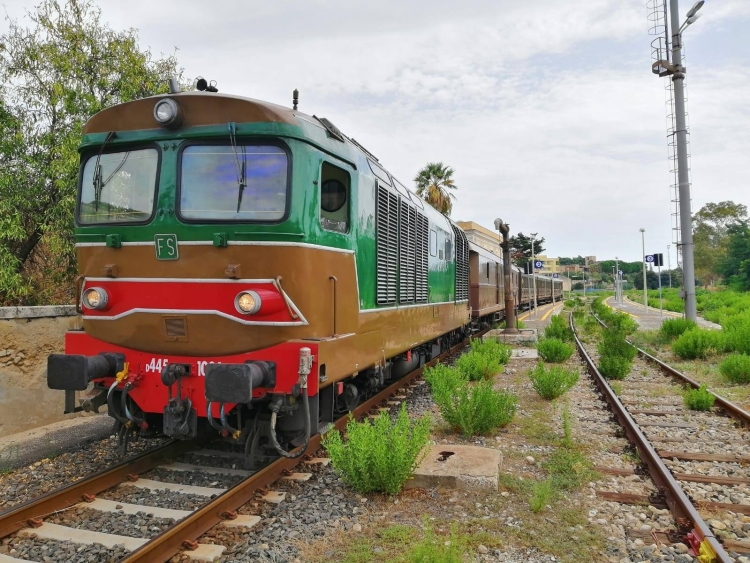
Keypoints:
pixel 247 302
pixel 95 298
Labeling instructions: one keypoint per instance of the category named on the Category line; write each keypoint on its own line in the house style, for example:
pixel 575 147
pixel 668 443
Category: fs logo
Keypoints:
pixel 166 247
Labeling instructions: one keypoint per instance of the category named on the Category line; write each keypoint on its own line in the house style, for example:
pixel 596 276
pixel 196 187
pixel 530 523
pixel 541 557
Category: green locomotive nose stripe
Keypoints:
pixel 166 247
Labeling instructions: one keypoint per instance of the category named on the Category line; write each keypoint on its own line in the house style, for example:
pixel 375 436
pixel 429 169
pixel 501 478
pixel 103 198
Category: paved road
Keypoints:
pixel 650 318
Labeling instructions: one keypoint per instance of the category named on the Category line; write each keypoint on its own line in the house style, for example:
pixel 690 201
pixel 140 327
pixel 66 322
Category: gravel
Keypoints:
pixel 160 498
pixel 195 478
pixel 50 551
pixel 140 525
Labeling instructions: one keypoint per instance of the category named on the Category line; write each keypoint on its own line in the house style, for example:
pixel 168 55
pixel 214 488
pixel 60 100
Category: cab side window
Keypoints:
pixel 335 192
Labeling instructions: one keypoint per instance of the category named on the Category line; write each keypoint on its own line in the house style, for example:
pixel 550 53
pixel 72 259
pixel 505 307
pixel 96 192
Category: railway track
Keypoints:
pixel 695 459
pixel 219 506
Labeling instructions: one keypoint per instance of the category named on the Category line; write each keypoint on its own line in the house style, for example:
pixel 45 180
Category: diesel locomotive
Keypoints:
pixel 247 268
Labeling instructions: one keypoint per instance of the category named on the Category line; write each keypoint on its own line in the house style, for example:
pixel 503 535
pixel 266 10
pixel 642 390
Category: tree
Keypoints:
pixel 652 280
pixel 710 236
pixel 65 67
pixel 736 264
pixel 580 260
pixel 520 248
pixel 434 183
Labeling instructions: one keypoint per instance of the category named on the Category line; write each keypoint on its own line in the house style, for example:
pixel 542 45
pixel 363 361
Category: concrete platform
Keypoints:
pixel 524 354
pixel 525 335
pixel 27 447
pixel 458 467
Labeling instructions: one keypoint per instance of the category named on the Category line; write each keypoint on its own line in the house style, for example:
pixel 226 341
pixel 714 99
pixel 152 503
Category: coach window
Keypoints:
pixel 334 198
pixel 433 243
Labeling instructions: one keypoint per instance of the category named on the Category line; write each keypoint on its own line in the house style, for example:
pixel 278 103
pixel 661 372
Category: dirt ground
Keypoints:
pixel 25 401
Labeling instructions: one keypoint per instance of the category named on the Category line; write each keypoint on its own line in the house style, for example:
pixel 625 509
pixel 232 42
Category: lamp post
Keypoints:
pixel 618 298
pixel 677 71
pixel 533 268
pixel 645 290
pixel 510 306
pixel 669 267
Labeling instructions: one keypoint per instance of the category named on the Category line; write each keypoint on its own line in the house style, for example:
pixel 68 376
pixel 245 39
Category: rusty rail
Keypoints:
pixel 733 410
pixel 679 505
pixel 18 517
pixel 169 543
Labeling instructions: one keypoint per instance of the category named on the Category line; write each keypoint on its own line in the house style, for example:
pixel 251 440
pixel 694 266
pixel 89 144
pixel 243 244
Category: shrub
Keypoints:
pixel 622 323
pixel 477 409
pixel 698 343
pixel 552 382
pixel 443 381
pixel 559 329
pixel 591 325
pixel 569 303
pixel 554 350
pixel 738 333
pixel 378 456
pixel 736 368
pixel 578 314
pixel 699 399
pixel 492 348
pixel 613 343
pixel 672 328
pixel 519 324
pixel 614 367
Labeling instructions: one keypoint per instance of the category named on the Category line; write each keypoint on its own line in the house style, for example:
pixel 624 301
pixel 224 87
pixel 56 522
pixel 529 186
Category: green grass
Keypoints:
pixel 699 399
pixel 736 368
pixel 554 350
pixel 551 382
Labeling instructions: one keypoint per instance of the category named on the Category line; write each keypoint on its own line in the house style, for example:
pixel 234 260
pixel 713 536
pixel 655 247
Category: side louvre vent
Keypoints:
pixel 422 250
pixel 462 264
pixel 386 243
pixel 407 252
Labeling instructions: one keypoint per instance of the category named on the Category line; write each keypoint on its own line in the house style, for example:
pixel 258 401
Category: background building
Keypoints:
pixel 482 236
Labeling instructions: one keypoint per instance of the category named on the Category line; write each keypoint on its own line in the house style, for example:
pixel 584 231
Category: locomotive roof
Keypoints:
pixel 199 108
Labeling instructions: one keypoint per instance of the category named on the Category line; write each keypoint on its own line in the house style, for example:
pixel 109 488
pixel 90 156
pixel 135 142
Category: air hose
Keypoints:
pixel 274 412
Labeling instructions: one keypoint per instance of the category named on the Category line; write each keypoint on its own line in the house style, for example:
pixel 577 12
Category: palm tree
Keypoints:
pixel 433 184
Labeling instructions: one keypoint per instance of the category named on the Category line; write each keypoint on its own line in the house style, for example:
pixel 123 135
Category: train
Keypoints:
pixel 249 270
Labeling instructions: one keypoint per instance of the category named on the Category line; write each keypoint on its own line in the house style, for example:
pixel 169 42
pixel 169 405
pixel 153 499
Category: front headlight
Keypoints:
pixel 167 112
pixel 95 298
pixel 247 302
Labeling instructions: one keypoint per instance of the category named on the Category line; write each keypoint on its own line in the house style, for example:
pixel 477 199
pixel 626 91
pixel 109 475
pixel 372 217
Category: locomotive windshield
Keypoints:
pixel 118 187
pixel 240 183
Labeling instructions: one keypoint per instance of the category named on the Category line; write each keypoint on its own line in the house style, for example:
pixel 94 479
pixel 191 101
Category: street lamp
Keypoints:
pixel 686 221
pixel 645 290
pixel 533 267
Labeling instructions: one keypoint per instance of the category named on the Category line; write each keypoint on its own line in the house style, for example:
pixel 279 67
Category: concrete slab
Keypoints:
pixel 64 533
pixel 205 552
pixel 456 466
pixel 187 489
pixel 298 477
pixel 104 505
pixel 318 460
pixel 9 559
pixel 178 466
pixel 274 497
pixel 23 448
pixel 524 353
pixel 242 521
pixel 525 335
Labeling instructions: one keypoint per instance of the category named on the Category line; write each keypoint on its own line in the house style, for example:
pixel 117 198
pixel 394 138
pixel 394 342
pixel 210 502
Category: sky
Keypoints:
pixel 547 111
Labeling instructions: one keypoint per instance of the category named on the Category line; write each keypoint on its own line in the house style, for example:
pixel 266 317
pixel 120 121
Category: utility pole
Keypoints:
pixel 669 266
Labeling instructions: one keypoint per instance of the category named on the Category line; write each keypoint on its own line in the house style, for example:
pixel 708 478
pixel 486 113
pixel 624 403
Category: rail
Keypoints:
pixel 679 505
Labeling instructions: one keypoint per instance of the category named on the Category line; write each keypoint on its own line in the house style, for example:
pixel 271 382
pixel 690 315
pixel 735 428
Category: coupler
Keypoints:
pixel 74 372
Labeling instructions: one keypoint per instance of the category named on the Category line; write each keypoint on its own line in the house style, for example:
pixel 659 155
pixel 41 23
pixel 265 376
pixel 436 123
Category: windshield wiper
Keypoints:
pixel 241 168
pixel 98 184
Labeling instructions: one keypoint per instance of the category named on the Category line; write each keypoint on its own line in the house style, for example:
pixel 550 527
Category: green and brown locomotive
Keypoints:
pixel 249 268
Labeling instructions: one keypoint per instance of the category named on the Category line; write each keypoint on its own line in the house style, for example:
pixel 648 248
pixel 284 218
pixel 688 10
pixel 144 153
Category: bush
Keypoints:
pixel 492 348
pixel 378 456
pixel 699 399
pixel 672 328
pixel 555 350
pixel 698 343
pixel 622 323
pixel 477 409
pixel 569 303
pixel 613 343
pixel 614 367
pixel 552 382
pixel 736 368
pixel 737 331
pixel 559 329
pixel 578 314
pixel 443 381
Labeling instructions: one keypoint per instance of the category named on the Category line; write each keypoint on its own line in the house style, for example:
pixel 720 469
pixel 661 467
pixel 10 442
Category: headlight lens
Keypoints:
pixel 95 298
pixel 247 302
pixel 167 112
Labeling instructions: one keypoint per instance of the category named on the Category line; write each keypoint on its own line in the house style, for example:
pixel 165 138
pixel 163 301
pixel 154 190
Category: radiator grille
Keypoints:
pixel 422 250
pixel 386 241
pixel 407 250
pixel 462 264
pixel 175 327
